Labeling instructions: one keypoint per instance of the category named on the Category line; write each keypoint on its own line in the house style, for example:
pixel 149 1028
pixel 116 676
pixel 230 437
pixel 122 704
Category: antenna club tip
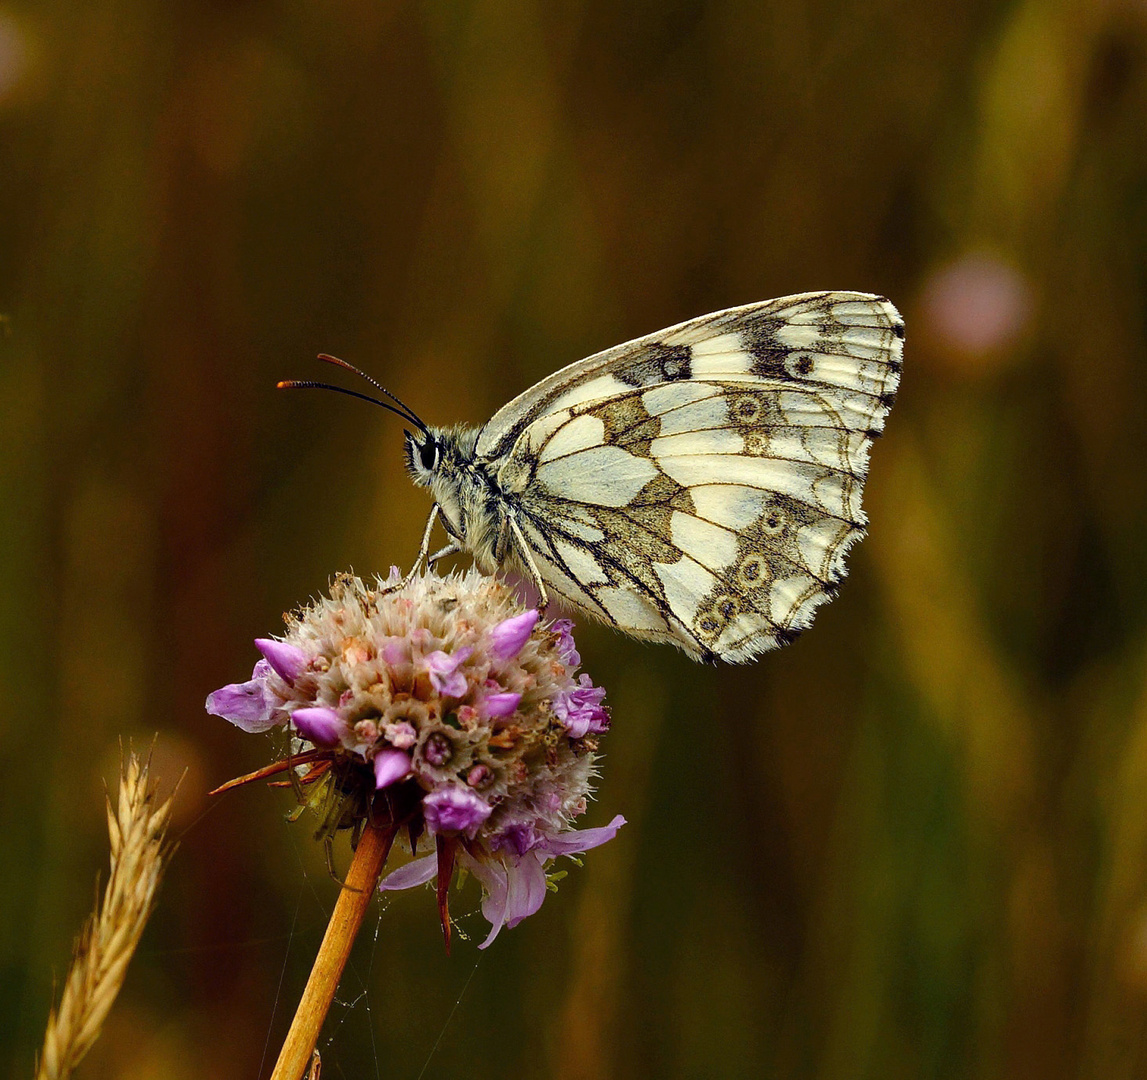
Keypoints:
pixel 283 384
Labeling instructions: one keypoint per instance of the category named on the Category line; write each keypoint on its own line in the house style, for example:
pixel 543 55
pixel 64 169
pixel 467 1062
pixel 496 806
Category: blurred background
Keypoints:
pixel 913 844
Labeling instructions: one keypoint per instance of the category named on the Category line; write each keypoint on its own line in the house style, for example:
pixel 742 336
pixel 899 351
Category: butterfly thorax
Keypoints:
pixel 468 498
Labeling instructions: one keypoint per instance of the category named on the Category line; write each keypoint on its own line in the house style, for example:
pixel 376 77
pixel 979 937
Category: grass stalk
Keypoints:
pixel 139 855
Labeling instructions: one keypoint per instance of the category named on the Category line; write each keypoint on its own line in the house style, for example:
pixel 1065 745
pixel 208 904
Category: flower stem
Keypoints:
pixel 350 908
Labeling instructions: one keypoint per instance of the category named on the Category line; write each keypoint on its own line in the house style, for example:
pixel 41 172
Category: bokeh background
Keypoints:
pixel 914 844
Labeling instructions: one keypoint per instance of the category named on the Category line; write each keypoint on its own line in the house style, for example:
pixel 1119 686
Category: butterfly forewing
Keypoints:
pixel 702 485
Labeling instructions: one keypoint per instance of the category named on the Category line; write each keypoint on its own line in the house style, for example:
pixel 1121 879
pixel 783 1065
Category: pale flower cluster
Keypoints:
pixel 448 706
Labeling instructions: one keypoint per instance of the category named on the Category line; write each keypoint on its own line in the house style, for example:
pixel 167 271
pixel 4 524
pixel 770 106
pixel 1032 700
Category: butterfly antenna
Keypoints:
pixel 307 384
pixel 408 411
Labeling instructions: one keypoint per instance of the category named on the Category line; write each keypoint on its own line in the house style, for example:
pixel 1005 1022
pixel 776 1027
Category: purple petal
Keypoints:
pixel 417 872
pixel 321 725
pixel 508 637
pixel 396 651
pixel 527 887
pixel 519 837
pixel 513 888
pixel 444 676
pixel 580 710
pixel 478 774
pixel 443 663
pixel 289 661
pixel 576 841
pixel 453 686
pixel 247 705
pixel 454 809
pixel 390 766
pixel 502 704
pixel 492 877
pixel 566 648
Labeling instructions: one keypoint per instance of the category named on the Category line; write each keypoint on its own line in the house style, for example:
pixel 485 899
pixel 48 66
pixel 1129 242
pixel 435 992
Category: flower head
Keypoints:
pixel 444 709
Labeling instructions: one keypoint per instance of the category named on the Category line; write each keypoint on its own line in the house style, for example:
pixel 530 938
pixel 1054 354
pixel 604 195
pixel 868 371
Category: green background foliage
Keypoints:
pixel 914 844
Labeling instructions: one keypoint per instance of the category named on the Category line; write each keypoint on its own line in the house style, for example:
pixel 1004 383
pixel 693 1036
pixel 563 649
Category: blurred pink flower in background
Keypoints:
pixel 976 305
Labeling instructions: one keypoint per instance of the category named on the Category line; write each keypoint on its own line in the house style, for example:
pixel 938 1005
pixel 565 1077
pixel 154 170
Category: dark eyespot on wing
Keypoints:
pixel 657 364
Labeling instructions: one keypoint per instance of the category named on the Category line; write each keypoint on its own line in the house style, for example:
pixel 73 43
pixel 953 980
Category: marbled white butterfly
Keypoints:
pixel 699 486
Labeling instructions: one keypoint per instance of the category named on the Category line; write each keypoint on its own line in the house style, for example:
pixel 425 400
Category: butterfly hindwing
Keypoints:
pixel 702 485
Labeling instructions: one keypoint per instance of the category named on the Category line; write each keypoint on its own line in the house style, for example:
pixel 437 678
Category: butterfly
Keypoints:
pixel 698 486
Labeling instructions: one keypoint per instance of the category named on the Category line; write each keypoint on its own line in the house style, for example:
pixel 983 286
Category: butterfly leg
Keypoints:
pixel 422 554
pixel 450 549
pixel 527 556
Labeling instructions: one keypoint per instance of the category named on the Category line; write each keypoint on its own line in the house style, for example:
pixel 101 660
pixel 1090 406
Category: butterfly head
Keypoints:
pixel 423 455
pixel 442 459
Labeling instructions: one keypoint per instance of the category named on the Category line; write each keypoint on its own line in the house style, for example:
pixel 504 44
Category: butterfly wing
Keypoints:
pixel 702 485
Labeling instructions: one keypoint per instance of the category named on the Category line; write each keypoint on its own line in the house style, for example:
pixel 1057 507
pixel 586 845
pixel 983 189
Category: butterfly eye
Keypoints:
pixel 428 454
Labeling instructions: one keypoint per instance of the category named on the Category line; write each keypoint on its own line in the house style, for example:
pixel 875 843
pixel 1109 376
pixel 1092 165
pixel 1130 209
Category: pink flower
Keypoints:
pixel 250 706
pixel 289 661
pixel 580 710
pixel 454 810
pixel 390 766
pixel 396 651
pixel 514 885
pixel 464 709
pixel 508 637
pixel 502 704
pixel 322 726
pixel 444 673
pixel 567 650
pixel 978 303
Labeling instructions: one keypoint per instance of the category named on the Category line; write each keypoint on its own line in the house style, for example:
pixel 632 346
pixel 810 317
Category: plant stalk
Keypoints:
pixel 350 909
